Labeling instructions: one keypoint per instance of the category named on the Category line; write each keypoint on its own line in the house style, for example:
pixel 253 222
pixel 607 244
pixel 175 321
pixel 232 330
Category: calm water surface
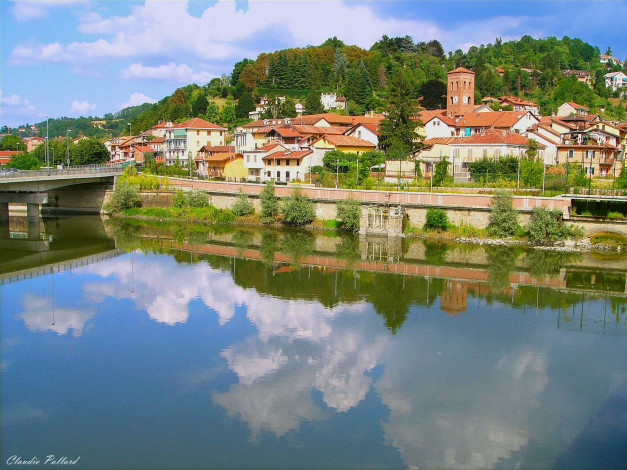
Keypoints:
pixel 140 346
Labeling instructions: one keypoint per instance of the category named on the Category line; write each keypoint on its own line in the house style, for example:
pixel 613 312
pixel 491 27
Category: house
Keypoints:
pixel 33 142
pixel 185 140
pixel 583 76
pixel 254 163
pixel 518 104
pixel 609 59
pixel 227 165
pixel 437 125
pixel 511 121
pixel 6 155
pixel 249 137
pixel 463 150
pixel 368 132
pixel 615 80
pixel 594 157
pixel 345 143
pixel 332 101
pixel 570 107
pixel 286 166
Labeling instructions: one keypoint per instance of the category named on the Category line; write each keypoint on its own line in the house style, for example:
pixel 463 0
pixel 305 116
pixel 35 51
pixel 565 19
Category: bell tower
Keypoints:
pixel 460 94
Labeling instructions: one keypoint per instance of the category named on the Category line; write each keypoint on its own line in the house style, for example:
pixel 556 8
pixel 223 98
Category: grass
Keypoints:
pixel 615 215
pixel 615 240
pixel 208 214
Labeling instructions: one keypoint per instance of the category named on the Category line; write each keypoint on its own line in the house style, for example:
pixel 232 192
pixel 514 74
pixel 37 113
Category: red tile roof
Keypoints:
pixel 287 132
pixel 519 101
pixel 222 157
pixel 577 106
pixel 217 148
pixel 347 141
pixel 288 155
pixel 143 148
pixel 267 147
pixel 501 119
pixel 318 130
pixel 197 123
pixel 492 136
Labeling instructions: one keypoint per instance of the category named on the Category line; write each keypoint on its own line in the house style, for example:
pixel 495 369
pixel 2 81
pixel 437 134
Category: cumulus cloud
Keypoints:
pixel 17 106
pixel 25 10
pixel 81 108
pixel 136 99
pixel 166 29
pixel 181 73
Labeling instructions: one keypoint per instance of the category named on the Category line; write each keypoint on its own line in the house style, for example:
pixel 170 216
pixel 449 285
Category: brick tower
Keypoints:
pixel 460 94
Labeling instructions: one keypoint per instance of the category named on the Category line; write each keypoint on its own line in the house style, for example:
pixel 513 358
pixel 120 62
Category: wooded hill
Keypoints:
pixel 362 76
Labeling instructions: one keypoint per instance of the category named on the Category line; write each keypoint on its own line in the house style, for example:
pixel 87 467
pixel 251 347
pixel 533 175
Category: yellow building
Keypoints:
pixel 345 143
pixel 227 165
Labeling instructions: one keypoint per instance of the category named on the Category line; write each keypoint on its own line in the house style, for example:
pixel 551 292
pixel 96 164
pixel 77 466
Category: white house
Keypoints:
pixel 439 126
pixel 332 101
pixel 368 132
pixel 570 107
pixel 615 80
pixel 287 166
pixel 187 138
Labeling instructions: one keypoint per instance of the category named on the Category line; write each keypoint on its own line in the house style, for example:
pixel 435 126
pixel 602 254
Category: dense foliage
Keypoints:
pixel 546 227
pixel 349 214
pixel 269 202
pixel 125 195
pixel 437 219
pixel 503 218
pixel 242 205
pixel 298 209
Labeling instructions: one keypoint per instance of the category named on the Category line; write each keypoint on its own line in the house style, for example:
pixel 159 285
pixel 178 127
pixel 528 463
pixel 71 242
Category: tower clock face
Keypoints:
pixel 454 99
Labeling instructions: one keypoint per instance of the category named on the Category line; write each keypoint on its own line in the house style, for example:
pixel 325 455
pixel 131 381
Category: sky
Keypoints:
pixel 92 57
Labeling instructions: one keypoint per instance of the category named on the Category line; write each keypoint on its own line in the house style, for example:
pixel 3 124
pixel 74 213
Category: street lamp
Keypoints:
pixel 130 129
pixel 47 158
pixel 67 141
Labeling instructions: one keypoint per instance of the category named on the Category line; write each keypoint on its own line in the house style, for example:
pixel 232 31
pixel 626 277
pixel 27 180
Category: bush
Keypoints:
pixel 243 206
pixel 441 175
pixel 436 220
pixel 298 209
pixel 179 198
pixel 125 195
pixel 197 198
pixel 504 218
pixel 621 181
pixel 269 202
pixel 547 227
pixel 349 214
pixel 531 172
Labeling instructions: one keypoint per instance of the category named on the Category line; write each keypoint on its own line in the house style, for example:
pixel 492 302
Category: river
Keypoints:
pixel 139 345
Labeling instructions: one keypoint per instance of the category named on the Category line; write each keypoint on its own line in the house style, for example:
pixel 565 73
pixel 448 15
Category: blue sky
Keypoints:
pixel 90 57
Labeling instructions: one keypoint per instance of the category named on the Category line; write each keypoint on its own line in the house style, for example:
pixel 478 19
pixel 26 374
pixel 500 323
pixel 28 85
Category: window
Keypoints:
pixel 287 175
pixel 278 175
pixel 197 132
pixel 278 162
pixel 590 154
pixel 248 158
pixel 571 153
pixel 255 159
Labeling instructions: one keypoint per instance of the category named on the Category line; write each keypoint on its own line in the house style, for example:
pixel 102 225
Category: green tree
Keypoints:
pixel 24 161
pixel 349 214
pixel 199 106
pixel 227 113
pixel 503 218
pixel 441 175
pixel 12 142
pixel 313 105
pixel 398 129
pixel 298 209
pixel 88 152
pixel 433 94
pixel 242 205
pixel 531 172
pixel 213 113
pixel 244 105
pixel 288 108
pixel 125 195
pixel 269 202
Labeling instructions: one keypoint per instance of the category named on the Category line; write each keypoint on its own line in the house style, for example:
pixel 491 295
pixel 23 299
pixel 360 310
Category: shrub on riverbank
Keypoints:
pixel 125 196
pixel 503 218
pixel 269 202
pixel 243 206
pixel 298 209
pixel 349 214
pixel 436 220
pixel 547 227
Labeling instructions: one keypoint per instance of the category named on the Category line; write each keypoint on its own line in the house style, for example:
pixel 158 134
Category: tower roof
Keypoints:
pixel 461 69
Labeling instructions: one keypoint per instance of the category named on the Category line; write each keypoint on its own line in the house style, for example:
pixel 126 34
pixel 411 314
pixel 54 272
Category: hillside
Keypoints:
pixel 534 69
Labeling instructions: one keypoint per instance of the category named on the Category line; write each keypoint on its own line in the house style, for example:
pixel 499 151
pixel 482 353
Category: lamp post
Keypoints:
pixel 130 129
pixel 47 157
pixel 67 141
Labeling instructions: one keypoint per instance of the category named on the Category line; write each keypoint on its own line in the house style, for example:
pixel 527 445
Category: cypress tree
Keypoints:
pixel 244 105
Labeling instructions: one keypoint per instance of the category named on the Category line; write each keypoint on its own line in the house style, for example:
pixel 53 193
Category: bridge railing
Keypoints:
pixel 63 171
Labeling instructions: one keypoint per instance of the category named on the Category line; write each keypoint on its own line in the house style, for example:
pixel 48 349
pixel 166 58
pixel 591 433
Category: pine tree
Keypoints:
pixel 244 105
pixel 313 105
pixel 364 88
pixel 199 106
pixel 398 129
pixel 213 113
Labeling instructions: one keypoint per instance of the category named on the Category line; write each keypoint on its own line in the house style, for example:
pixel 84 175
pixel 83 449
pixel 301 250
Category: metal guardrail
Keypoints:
pixel 65 171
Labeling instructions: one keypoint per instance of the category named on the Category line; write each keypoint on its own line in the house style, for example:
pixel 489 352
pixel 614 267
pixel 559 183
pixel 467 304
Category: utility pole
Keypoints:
pixel 67 141
pixel 357 175
pixel 47 154
pixel 337 174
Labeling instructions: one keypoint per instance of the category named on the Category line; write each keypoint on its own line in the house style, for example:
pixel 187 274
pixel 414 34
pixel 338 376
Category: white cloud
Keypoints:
pixel 182 73
pixel 136 99
pixel 81 108
pixel 166 29
pixel 25 10
pixel 15 110
pixel 38 315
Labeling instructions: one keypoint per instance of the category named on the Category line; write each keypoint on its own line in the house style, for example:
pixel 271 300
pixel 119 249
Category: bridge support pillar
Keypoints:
pixel 32 213
pixel 4 213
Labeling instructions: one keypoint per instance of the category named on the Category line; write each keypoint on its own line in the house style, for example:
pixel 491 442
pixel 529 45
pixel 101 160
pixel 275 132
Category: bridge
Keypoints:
pixel 79 188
